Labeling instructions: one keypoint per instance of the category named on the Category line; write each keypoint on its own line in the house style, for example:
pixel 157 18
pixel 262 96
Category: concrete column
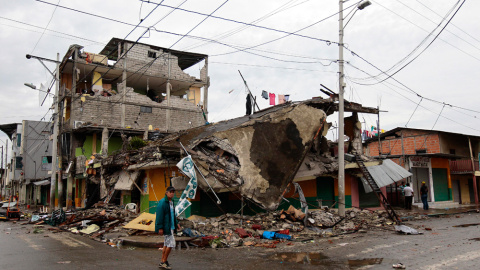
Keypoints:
pixel 105 142
pixel 69 201
pixel 169 88
pixel 124 86
pixel 103 186
pixel 205 91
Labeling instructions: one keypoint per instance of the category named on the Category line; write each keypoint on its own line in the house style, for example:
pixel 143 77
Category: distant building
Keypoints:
pixel 129 89
pixel 446 161
pixel 30 162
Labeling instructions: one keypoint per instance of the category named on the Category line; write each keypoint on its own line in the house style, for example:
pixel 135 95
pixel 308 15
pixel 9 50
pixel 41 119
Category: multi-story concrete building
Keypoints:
pixel 128 89
pixel 30 162
pixel 446 161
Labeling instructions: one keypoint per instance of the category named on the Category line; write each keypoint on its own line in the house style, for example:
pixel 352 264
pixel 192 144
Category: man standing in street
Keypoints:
pixel 166 224
pixel 408 196
pixel 424 194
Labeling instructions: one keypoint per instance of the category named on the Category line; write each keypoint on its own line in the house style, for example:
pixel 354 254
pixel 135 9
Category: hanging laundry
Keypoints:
pixel 281 99
pixel 287 98
pixel 249 105
pixel 272 98
pixel 265 94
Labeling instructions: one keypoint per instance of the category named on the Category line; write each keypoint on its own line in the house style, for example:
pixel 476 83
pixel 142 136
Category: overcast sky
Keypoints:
pixel 400 37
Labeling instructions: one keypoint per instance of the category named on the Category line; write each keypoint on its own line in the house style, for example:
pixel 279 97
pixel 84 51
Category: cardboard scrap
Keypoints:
pixel 90 229
pixel 140 223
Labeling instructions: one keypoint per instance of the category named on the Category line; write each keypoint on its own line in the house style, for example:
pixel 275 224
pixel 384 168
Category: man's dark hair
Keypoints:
pixel 408 184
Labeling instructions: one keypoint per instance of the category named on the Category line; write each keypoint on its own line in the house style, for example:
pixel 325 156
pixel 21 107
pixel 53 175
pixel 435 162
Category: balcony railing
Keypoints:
pixel 462 166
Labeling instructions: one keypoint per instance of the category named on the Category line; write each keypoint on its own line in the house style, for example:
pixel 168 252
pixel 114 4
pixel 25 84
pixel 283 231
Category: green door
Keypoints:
pixel 440 184
pixel 326 190
pixel 366 199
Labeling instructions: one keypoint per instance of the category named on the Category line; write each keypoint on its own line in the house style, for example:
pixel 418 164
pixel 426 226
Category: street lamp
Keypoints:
pixel 31 85
pixel 53 179
pixel 341 131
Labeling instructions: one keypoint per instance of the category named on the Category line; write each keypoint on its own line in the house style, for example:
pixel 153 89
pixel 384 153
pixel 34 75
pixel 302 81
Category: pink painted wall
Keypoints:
pixel 354 192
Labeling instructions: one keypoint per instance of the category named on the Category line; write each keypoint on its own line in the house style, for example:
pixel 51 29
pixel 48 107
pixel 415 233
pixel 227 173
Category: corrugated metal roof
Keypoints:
pixel 388 173
pixel 126 179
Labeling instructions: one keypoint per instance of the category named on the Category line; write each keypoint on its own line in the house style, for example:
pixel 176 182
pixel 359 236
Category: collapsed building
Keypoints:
pixel 254 157
pixel 132 90
pixel 127 89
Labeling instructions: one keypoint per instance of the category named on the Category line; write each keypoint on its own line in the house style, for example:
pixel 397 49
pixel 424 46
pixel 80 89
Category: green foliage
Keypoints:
pixel 136 143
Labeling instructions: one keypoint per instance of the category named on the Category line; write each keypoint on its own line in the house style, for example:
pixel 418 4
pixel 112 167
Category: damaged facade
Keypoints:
pixel 446 161
pixel 30 165
pixel 129 89
pixel 256 157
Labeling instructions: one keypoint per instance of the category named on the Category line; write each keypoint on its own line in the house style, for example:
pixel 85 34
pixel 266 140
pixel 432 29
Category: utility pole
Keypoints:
pixel 2 155
pixel 341 107
pixel 55 137
pixel 341 140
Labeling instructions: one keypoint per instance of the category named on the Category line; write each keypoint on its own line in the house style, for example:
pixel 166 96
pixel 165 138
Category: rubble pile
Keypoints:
pixel 93 222
pixel 233 230
pixel 107 223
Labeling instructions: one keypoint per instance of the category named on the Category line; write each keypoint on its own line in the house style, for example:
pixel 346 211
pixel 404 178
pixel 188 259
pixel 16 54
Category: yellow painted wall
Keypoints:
pixel 193 95
pixel 157 178
pixel 97 78
pixel 464 189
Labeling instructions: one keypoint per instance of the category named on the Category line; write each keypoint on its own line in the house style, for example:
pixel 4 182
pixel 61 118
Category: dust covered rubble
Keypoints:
pixel 318 223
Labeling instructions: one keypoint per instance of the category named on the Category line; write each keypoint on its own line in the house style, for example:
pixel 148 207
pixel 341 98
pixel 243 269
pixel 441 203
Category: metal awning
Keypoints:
pixel 385 174
pixel 42 183
pixel 9 204
pixel 126 180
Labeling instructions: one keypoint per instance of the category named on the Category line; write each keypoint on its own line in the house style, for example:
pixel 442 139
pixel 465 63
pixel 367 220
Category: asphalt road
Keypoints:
pixel 442 247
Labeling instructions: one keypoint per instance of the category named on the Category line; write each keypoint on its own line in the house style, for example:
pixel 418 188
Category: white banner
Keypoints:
pixel 187 167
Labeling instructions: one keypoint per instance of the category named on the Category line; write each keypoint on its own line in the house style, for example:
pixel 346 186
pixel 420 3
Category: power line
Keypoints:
pixel 51 17
pixel 423 15
pixel 406 87
pixel 292 33
pixel 424 49
pixel 88 13
pixel 124 54
pixel 203 14
pixel 209 15
pixel 204 39
pixel 241 28
pixel 250 24
pixel 445 41
pixel 430 33
pixel 457 122
pixel 31 25
pixel 275 67
pixel 451 23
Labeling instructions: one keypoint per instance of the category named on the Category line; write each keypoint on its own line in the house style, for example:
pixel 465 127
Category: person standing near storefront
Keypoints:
pixel 424 195
pixel 408 191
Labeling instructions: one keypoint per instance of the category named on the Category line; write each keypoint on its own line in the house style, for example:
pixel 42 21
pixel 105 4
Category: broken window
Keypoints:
pixel 46 163
pixel 145 109
pixel 152 54
pixel 18 163
pixel 19 139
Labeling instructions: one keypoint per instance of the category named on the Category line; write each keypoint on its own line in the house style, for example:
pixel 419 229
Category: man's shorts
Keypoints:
pixel 169 241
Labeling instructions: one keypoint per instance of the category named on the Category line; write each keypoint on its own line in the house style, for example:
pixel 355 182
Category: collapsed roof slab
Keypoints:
pixel 269 146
